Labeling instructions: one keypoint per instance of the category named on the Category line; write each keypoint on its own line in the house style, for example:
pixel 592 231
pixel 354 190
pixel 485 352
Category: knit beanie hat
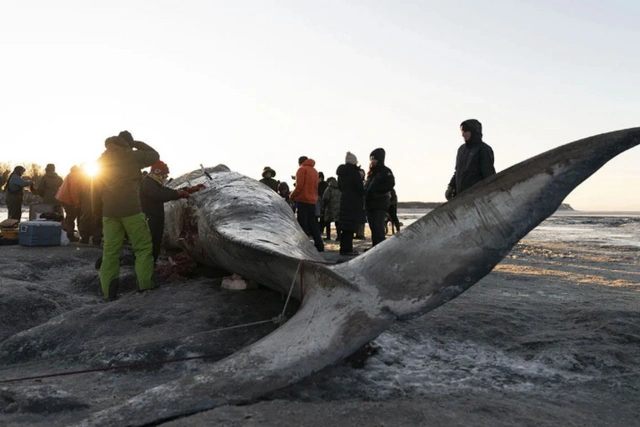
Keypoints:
pixel 160 168
pixel 351 158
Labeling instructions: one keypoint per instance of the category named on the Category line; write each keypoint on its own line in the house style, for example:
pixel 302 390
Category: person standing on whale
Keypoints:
pixel 474 161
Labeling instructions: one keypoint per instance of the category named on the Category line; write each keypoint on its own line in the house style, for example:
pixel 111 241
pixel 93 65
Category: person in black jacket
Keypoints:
pixel 474 161
pixel 153 195
pixel 352 212
pixel 380 182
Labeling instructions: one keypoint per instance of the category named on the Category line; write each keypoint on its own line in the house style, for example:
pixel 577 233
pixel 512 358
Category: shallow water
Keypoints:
pixel 4 214
pixel 591 227
pixel 597 227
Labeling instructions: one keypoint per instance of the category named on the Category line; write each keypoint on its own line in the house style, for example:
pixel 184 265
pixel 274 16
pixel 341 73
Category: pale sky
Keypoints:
pixel 259 83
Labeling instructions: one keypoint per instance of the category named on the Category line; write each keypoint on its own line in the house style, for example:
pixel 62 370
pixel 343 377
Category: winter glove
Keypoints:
pixel 195 188
pixel 184 194
pixel 450 193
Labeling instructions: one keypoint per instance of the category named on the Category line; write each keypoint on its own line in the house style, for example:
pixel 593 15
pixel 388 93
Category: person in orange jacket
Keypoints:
pixel 306 194
pixel 69 195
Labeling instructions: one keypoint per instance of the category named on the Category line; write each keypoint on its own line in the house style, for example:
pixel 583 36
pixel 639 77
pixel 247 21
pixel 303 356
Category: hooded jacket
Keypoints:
pixel 117 183
pixel 306 190
pixel 48 187
pixel 379 184
pixel 331 201
pixel 474 161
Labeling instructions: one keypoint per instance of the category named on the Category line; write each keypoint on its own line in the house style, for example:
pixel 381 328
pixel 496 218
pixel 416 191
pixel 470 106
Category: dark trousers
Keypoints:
pixel 327 226
pixel 156 227
pixel 73 213
pixel 14 206
pixel 393 215
pixel 90 225
pixel 307 220
pixel 376 219
pixel 346 242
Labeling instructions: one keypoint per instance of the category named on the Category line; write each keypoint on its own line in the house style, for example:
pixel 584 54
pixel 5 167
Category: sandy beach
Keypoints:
pixel 550 337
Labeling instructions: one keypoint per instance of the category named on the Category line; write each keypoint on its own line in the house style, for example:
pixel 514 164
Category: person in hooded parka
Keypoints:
pixel 331 206
pixel 474 161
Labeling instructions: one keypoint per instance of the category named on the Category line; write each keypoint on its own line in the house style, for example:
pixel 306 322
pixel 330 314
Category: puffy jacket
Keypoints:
pixel 331 202
pixel 380 182
pixel 48 187
pixel 306 190
pixel 474 162
pixel 352 212
pixel 119 178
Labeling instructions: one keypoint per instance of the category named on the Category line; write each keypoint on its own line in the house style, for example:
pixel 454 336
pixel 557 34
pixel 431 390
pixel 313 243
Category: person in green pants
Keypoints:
pixel 116 197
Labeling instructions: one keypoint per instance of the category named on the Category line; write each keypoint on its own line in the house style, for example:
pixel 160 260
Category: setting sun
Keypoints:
pixel 91 169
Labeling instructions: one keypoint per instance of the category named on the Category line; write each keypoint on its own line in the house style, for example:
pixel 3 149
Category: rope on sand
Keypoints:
pixel 278 320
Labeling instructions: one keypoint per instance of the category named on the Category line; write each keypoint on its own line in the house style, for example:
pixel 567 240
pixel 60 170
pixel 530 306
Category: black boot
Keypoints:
pixel 113 289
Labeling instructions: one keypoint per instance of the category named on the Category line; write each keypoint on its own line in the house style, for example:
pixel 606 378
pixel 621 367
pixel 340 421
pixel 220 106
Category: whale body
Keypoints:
pixel 242 226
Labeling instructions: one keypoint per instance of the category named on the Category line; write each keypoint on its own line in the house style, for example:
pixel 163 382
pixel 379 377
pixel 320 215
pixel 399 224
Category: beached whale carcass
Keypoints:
pixel 244 227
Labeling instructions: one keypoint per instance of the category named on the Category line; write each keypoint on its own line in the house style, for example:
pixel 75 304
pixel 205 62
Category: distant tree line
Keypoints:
pixel 33 172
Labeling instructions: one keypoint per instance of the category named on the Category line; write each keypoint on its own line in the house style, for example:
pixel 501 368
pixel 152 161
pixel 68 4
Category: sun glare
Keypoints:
pixel 91 169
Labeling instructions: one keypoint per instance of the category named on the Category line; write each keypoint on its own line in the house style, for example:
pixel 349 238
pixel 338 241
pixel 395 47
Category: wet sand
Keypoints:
pixel 550 337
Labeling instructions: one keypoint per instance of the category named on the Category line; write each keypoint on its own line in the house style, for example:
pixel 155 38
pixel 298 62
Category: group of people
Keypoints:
pixel 356 197
pixel 349 201
pixel 120 203
pixel 123 203
pixel 132 205
pixel 71 196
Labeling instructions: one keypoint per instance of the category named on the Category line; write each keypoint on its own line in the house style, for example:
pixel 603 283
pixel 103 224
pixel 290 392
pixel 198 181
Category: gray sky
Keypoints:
pixel 260 83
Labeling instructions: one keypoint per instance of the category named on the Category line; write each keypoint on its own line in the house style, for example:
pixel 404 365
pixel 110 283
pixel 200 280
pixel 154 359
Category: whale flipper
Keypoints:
pixel 448 250
pixel 329 326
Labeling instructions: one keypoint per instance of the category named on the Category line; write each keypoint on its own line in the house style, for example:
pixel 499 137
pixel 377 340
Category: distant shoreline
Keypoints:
pixel 433 205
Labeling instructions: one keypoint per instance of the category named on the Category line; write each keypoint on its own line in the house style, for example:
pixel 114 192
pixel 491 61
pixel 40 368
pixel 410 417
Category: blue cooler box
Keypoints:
pixel 40 233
